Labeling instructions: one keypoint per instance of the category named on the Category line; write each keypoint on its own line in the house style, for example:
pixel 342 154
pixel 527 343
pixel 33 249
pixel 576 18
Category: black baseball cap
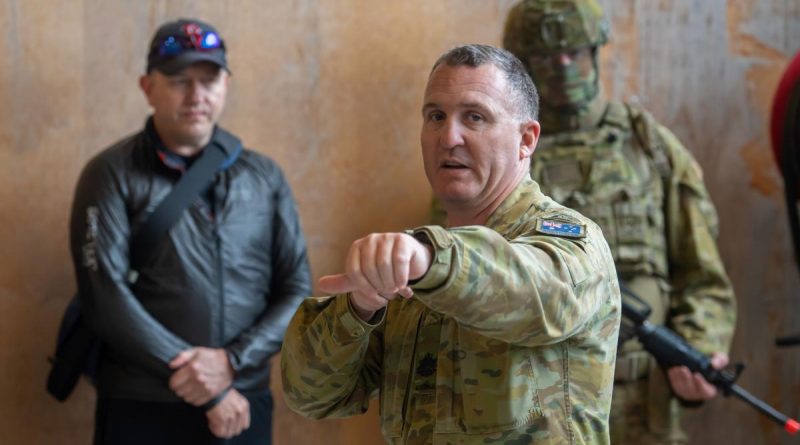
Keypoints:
pixel 183 42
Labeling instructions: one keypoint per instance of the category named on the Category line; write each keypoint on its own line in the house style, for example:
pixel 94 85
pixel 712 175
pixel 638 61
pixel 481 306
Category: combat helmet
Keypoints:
pixel 547 26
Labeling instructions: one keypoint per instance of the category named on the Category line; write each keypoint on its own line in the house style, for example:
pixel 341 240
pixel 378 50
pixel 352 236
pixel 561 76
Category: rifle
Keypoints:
pixel 670 349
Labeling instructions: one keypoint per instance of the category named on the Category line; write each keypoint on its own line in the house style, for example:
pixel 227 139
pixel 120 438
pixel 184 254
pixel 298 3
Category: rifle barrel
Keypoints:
pixel 790 425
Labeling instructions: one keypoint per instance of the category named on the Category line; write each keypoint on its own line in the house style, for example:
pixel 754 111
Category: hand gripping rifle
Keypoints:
pixel 670 349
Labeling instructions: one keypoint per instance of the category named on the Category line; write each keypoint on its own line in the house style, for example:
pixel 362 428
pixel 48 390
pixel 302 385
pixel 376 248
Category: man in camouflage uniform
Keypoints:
pixel 613 163
pixel 502 328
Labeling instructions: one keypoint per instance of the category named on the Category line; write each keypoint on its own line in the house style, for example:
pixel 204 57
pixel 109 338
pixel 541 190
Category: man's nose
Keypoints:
pixel 452 134
pixel 563 59
pixel 196 91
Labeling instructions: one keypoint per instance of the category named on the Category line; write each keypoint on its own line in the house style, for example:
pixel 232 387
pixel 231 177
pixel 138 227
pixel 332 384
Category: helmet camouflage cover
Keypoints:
pixel 547 26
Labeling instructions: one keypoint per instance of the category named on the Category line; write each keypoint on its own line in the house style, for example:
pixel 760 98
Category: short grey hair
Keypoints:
pixel 526 98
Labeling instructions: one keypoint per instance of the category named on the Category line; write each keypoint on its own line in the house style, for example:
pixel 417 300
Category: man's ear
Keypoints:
pixel 530 136
pixel 146 85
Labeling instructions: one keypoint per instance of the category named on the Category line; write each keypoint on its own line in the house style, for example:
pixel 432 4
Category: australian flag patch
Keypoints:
pixel 560 228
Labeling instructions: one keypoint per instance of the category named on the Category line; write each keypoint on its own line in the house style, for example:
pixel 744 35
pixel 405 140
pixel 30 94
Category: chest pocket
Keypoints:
pixel 618 188
pixel 442 376
pixel 483 385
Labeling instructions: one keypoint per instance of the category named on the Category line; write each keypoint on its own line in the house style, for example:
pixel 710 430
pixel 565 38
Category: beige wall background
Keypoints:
pixel 332 91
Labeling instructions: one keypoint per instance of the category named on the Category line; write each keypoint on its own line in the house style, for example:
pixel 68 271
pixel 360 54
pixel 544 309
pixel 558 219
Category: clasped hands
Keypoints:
pixel 378 268
pixel 201 374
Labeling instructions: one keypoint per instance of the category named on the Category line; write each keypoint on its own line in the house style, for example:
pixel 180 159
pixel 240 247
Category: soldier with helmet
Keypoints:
pixel 615 164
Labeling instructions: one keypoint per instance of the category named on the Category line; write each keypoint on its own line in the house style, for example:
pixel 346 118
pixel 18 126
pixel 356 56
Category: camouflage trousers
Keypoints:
pixel 643 413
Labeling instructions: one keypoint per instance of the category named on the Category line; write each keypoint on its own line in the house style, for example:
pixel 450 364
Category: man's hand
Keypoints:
pixel 229 417
pixel 377 269
pixel 202 373
pixel 692 386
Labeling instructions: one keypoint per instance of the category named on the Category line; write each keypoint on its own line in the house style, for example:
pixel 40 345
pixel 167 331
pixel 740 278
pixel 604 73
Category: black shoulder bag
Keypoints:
pixel 77 346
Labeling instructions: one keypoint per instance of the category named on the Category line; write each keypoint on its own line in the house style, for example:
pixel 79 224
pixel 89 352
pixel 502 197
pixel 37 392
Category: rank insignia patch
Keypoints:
pixel 560 228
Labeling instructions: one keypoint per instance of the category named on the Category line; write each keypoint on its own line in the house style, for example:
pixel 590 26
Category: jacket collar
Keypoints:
pixel 230 145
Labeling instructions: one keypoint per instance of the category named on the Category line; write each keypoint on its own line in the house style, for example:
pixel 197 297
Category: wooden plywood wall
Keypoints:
pixel 332 91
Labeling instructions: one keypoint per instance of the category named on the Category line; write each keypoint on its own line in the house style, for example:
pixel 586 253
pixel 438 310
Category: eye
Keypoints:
pixel 179 81
pixel 475 117
pixel 435 116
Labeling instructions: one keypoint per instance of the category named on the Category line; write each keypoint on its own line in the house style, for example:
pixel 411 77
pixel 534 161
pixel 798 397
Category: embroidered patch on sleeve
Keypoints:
pixel 560 228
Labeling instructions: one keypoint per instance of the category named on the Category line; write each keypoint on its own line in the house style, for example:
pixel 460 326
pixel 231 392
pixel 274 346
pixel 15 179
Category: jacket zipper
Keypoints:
pixel 220 280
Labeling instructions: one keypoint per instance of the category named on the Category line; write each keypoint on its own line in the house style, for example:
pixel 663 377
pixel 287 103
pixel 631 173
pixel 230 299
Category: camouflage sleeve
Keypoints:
pixel 330 361
pixel 533 290
pixel 702 302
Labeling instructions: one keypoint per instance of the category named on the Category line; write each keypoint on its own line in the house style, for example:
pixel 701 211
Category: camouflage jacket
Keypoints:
pixel 637 181
pixel 510 338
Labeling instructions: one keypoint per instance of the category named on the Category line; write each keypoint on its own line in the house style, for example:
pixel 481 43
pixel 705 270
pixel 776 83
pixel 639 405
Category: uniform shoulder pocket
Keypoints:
pixel 570 232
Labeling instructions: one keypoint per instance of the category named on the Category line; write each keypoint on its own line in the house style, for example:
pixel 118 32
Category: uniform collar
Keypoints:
pixel 512 210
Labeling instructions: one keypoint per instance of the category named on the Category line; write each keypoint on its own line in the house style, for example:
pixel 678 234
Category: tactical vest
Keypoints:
pixel 614 174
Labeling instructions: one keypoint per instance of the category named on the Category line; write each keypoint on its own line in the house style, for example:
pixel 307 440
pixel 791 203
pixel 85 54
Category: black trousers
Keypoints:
pixel 133 422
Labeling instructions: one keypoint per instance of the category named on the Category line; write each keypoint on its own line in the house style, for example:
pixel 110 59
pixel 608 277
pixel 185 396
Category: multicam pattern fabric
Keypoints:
pixel 656 226
pixel 545 26
pixel 510 338
pixel 645 190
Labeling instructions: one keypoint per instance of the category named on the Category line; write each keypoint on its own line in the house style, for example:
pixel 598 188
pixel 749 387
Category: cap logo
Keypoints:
pixel 194 32
pixel 198 39
pixel 193 39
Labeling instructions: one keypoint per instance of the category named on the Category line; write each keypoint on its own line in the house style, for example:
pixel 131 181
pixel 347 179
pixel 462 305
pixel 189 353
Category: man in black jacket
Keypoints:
pixel 187 343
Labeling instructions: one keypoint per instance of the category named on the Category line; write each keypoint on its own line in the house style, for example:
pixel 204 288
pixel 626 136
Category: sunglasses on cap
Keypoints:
pixel 192 39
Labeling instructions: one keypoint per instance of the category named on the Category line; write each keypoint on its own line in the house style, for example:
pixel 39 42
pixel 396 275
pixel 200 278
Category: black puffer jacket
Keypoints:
pixel 230 274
